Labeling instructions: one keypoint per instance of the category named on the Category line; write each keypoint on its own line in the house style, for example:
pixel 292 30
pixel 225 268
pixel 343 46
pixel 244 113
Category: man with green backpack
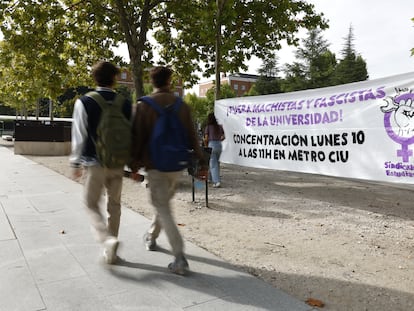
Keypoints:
pixel 101 139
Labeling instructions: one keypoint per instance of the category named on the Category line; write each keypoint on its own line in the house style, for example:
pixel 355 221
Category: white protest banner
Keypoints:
pixel 361 130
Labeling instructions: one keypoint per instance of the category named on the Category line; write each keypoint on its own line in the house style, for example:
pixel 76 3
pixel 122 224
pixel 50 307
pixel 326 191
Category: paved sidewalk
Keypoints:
pixel 49 260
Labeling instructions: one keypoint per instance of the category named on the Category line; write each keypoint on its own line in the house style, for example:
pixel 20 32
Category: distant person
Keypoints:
pixel 213 136
pixel 89 153
pixel 162 183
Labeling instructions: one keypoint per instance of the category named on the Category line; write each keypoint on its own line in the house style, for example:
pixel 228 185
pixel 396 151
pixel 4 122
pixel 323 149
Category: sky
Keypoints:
pixel 383 34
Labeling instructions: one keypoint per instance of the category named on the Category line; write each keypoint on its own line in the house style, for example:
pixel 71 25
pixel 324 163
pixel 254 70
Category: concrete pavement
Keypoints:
pixel 50 261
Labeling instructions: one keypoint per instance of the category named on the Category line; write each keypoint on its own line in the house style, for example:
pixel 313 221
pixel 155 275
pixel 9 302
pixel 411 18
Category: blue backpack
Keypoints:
pixel 169 142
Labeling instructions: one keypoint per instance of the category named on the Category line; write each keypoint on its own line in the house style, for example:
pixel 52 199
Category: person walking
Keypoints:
pixel 162 183
pixel 88 155
pixel 213 136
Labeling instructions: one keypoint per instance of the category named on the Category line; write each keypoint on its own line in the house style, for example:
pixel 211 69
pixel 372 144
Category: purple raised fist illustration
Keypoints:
pixel 402 109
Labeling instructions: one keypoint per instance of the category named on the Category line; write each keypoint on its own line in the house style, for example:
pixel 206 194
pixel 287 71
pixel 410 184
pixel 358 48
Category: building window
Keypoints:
pixel 123 75
pixel 236 87
pixel 243 87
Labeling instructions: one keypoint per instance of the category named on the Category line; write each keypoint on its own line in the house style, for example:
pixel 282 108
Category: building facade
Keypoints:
pixel 125 79
pixel 240 83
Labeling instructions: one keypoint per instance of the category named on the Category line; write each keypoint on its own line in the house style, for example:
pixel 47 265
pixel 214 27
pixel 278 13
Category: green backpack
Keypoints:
pixel 113 143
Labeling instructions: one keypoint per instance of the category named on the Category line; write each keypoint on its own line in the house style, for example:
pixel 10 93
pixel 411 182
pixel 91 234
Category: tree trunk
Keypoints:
pixel 135 41
pixel 217 62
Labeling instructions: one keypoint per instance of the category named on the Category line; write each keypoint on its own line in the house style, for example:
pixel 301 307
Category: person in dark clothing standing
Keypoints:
pixel 86 116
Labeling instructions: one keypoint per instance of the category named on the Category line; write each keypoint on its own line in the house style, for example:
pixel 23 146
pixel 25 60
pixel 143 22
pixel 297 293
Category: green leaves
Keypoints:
pixel 51 46
pixel 247 28
pixel 316 66
pixel 352 67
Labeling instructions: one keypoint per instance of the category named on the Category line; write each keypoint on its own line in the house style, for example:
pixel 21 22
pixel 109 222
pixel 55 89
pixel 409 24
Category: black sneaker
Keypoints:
pixel 150 245
pixel 179 266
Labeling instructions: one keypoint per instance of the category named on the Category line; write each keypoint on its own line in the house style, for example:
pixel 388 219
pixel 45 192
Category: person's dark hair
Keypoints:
pixel 104 73
pixel 160 75
pixel 211 120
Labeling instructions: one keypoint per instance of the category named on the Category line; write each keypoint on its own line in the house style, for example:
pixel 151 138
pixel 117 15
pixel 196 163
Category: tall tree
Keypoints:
pixel 233 31
pixel 315 64
pixel 217 61
pixel 268 81
pixel 270 66
pixel 48 45
pixel 78 33
pixel 136 18
pixel 295 77
pixel 69 35
pixel 352 67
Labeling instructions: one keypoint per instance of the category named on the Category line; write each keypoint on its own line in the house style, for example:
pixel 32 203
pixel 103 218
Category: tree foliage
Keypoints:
pixel 48 46
pixel 226 92
pixel 234 30
pixel 202 106
pixel 351 67
pixel 199 107
pixel 315 64
pixel 136 19
pixel 268 81
pixel 295 77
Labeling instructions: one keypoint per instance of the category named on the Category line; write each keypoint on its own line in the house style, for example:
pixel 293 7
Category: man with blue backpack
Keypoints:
pixel 163 141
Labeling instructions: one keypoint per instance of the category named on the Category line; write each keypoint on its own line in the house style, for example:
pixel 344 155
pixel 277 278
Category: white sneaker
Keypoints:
pixel 216 185
pixel 150 245
pixel 110 248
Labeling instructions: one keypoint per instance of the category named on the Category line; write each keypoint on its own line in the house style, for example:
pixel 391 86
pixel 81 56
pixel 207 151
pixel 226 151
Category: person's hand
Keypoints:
pixel 134 166
pixel 202 173
pixel 137 177
pixel 77 173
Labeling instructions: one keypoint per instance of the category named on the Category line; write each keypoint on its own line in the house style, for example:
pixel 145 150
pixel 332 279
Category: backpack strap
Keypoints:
pixel 177 104
pixel 98 98
pixel 153 104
